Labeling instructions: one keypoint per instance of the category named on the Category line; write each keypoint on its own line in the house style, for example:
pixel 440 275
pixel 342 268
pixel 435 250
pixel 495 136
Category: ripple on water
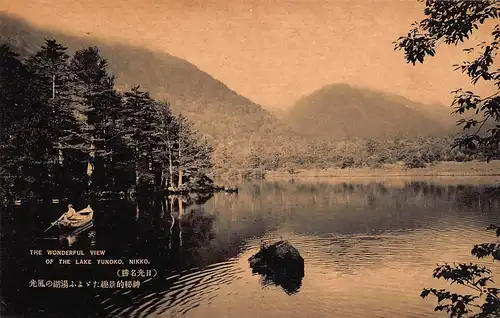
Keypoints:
pixel 340 270
pixel 181 292
pixel 384 272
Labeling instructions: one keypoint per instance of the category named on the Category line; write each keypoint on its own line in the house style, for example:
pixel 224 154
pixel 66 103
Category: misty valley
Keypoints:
pixel 336 126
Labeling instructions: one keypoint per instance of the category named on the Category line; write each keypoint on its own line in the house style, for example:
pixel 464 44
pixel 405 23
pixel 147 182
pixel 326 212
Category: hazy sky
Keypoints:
pixel 273 52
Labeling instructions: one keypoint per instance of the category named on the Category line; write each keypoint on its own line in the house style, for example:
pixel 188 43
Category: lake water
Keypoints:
pixel 369 247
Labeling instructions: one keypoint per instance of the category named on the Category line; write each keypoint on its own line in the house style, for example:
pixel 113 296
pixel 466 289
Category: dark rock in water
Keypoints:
pixel 280 264
pixel 279 257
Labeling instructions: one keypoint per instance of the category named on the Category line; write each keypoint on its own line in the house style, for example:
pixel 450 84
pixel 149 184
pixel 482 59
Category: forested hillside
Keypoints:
pixel 340 111
pixel 67 130
pixel 234 124
pixel 337 126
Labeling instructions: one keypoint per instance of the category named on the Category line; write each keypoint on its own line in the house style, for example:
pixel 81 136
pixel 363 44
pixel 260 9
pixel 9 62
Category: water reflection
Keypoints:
pixel 290 285
pixel 368 249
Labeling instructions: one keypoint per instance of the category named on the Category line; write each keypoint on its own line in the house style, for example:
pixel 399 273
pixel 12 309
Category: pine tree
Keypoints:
pixel 167 126
pixel 141 135
pixel 55 86
pixel 101 106
pixel 62 121
pixel 193 156
pixel 18 122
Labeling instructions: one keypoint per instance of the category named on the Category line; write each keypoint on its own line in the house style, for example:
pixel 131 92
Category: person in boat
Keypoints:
pixel 68 215
pixel 263 245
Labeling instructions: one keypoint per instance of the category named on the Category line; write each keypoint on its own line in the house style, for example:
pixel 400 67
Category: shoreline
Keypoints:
pixel 107 194
pixel 440 169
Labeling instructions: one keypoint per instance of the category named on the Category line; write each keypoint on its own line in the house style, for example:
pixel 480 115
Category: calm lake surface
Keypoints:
pixel 369 249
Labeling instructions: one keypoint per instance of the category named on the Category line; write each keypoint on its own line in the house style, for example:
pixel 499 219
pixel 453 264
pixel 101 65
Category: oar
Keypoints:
pixel 54 223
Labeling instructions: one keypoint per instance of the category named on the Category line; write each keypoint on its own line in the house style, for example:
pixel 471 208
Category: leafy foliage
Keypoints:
pixel 414 162
pixel 477 278
pixel 412 152
pixel 453 22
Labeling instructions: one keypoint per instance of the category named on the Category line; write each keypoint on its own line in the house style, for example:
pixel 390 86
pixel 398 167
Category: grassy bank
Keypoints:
pixel 440 169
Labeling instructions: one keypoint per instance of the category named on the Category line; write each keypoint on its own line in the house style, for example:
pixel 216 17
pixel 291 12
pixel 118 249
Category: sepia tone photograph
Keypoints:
pixel 249 158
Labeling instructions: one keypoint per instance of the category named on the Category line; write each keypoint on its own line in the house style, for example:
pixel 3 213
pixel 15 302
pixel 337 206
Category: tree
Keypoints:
pixel 49 68
pixel 168 127
pixel 101 106
pixel 193 155
pixel 452 22
pixel 20 138
pixel 65 127
pixel 139 122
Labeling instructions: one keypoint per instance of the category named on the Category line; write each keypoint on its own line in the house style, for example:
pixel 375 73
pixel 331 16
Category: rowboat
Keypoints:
pixel 81 218
pixel 79 222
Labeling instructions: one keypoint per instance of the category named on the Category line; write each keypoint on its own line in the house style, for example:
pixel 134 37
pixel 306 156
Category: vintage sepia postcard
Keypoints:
pixel 250 158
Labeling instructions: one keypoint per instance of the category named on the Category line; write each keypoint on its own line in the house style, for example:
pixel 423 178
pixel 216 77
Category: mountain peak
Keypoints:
pixel 340 111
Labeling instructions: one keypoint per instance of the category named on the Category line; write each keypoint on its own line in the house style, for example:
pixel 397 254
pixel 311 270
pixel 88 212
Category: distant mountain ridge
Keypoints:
pixel 243 133
pixel 340 111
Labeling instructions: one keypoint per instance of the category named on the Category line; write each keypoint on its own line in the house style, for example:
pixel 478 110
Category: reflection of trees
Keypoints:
pixel 190 229
pixel 183 233
pixel 176 236
pixel 482 198
pixel 323 207
pixel 175 208
pixel 174 233
pixel 197 229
